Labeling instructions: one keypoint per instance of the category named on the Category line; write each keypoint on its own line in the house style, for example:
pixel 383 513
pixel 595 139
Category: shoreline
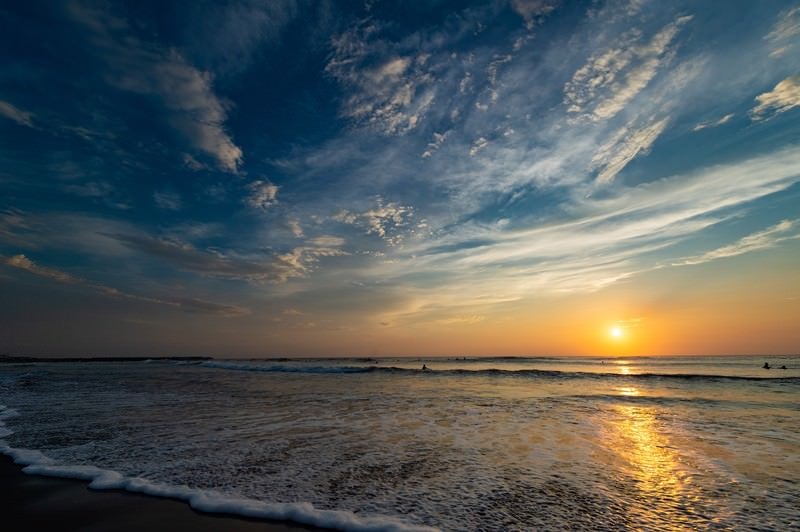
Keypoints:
pixel 32 501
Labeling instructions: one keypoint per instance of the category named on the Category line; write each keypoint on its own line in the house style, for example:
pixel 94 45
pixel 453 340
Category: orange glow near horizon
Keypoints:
pixel 663 314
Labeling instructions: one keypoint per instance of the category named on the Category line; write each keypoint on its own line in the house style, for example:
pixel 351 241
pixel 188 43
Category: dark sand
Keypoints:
pixel 33 502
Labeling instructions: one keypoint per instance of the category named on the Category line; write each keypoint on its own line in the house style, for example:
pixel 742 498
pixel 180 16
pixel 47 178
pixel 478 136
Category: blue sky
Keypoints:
pixel 292 177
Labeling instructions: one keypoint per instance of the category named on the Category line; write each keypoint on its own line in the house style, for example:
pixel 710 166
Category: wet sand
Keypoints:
pixel 33 502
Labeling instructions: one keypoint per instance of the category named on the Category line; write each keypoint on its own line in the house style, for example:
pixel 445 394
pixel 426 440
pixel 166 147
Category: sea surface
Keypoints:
pixel 469 444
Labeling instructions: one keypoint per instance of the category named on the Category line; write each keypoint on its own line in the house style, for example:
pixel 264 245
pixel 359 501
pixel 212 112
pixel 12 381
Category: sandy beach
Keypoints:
pixel 45 503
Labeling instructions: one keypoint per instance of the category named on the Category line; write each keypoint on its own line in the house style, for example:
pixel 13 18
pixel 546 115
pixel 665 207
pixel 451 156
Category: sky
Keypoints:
pixel 376 178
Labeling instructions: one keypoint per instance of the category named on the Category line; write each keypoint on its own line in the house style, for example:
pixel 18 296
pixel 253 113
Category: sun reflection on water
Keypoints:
pixel 660 489
pixel 623 367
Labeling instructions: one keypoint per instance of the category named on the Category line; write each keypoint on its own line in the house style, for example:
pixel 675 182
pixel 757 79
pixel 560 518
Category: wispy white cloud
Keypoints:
pixel 479 144
pixel 374 53
pixel 634 90
pixel 295 228
pixel 609 81
pixel 469 319
pixel 65 232
pixel 761 240
pixel 464 84
pixel 193 164
pixel 14 227
pixel 196 110
pixel 713 123
pixel 784 32
pixel 532 10
pixel 167 200
pixel 624 146
pixel 202 306
pixel 257 268
pixel 491 76
pixel 607 240
pixel 392 96
pixel 91 189
pixel 187 304
pixel 545 153
pixel 186 92
pixel 785 96
pixel 23 118
pixel 302 259
pixel 262 194
pixel 99 190
pixel 435 144
pixel 384 220
pixel 24 263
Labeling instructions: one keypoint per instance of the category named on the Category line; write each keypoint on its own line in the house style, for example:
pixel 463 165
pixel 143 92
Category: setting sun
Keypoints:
pixel 616 332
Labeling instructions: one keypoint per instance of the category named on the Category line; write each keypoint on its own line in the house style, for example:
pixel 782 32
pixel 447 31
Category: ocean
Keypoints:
pixel 651 443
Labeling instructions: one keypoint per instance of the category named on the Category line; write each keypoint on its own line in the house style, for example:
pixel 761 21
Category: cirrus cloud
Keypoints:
pixel 184 91
pixel 23 118
pixel 188 304
pixel 603 86
pixel 760 240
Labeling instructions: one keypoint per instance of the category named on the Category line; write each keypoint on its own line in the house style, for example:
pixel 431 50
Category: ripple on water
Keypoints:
pixel 455 451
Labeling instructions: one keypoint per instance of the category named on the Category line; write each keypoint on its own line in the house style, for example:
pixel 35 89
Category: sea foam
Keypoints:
pixel 208 501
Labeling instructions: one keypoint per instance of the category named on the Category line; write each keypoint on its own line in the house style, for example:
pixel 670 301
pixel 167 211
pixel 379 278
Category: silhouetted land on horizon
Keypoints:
pixel 12 359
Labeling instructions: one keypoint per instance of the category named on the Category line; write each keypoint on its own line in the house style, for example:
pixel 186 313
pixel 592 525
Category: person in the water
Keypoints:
pixel 424 367
pixel 766 365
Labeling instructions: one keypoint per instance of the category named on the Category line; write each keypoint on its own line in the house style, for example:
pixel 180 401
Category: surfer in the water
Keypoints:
pixel 424 367
pixel 766 365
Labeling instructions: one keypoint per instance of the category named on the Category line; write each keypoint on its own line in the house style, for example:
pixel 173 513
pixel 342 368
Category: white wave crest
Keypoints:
pixel 37 463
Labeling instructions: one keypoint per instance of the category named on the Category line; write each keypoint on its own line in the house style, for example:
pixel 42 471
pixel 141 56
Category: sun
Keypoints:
pixel 616 332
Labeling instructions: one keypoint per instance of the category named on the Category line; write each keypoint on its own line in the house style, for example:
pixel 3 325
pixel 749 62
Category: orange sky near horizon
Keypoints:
pixel 733 310
pixel 665 312
pixel 748 304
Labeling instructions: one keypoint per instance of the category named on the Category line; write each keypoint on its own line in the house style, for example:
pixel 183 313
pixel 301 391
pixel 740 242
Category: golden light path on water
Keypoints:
pixel 623 367
pixel 662 482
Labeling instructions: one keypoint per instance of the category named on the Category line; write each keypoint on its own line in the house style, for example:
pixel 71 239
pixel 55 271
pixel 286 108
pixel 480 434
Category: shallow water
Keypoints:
pixel 487 444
